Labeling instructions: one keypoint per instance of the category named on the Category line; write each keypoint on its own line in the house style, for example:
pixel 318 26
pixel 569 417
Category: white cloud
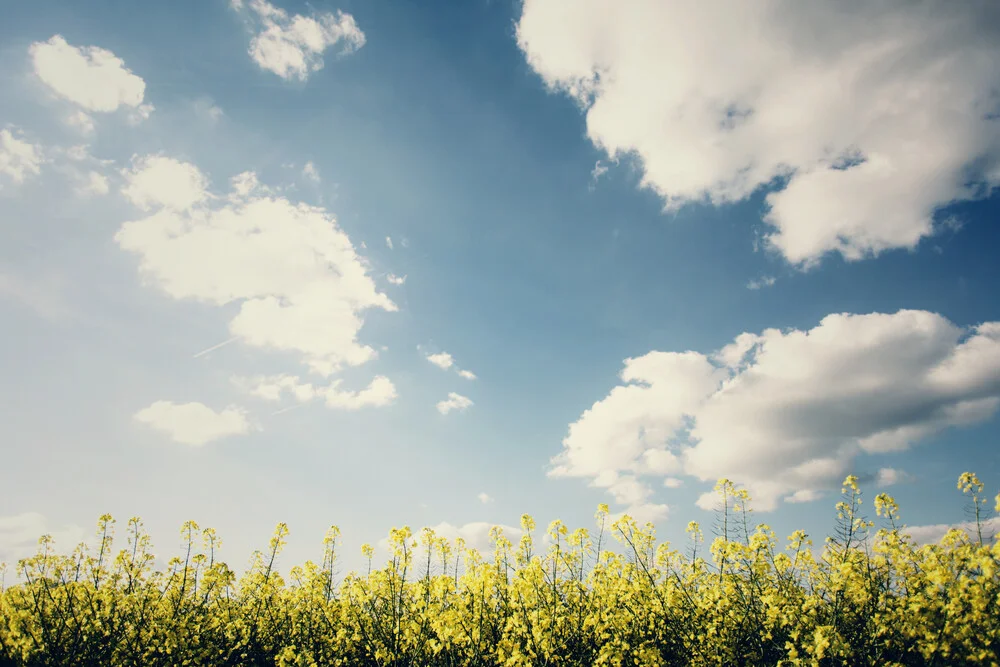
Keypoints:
pixel 599 170
pixel 454 402
pixel 94 183
pixel 442 360
pixel 245 184
pixel 932 534
pixel 889 476
pixel 395 280
pixel 194 423
pixel 19 535
pixel 643 512
pixel 485 498
pixel 82 121
pixel 380 392
pixel 299 282
pixel 763 281
pixel 877 115
pixel 786 413
pixel 476 535
pixel 388 242
pixel 310 172
pixel 804 496
pixel 140 113
pixel 18 157
pixel 89 76
pixel 293 46
pixel 673 483
pixel 157 181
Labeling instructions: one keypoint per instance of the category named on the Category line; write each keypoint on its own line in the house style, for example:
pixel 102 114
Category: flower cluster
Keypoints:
pixel 866 599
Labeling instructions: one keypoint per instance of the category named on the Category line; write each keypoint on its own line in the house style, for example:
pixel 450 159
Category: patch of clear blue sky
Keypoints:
pixel 437 131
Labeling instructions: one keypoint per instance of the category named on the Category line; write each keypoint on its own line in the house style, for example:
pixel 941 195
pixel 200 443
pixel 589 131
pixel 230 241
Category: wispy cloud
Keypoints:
pixel 763 281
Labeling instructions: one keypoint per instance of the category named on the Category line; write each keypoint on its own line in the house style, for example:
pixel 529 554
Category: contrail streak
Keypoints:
pixel 288 409
pixel 216 347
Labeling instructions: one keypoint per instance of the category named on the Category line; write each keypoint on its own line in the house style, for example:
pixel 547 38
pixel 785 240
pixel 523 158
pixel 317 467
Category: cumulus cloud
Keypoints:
pixel 380 391
pixel 786 413
pixel 299 283
pixel 293 46
pixel 89 76
pixel 454 402
pixel 156 181
pixel 193 423
pixel 395 280
pixel 468 375
pixel 19 535
pixel 868 118
pixel 485 498
pixel 442 360
pixel 19 158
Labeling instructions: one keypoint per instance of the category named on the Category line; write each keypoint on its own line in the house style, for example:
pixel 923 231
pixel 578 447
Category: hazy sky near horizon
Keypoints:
pixel 441 264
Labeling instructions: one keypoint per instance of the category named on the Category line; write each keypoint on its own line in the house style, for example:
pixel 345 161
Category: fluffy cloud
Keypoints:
pixel 299 283
pixel 442 360
pixel 18 158
pixel 454 402
pixel 468 375
pixel 786 413
pixel 395 280
pixel 380 392
pixel 293 46
pixel 193 423
pixel 19 535
pixel 485 498
pixel 91 77
pixel 876 115
pixel 157 181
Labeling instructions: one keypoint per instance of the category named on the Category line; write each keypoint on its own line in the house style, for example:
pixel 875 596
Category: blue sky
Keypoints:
pixel 562 194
